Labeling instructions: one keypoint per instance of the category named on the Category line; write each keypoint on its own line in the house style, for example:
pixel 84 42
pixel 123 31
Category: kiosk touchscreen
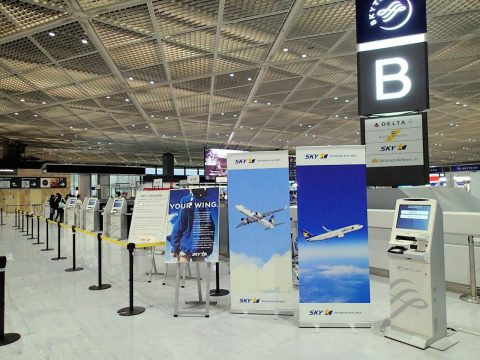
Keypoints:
pixel 106 217
pixel 417 274
pixel 70 211
pixel 92 215
pixel 118 219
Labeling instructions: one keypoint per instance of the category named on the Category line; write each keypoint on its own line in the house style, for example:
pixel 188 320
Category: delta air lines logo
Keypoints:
pixel 245 161
pixel 390 15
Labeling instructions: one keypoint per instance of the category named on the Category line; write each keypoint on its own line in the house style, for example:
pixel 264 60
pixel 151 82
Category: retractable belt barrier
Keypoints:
pixel 128 311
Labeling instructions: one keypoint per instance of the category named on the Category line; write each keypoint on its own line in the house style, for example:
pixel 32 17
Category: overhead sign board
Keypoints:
pixel 32 183
pixel 387 19
pixel 193 179
pixel 396 150
pixel 393 79
pixel 5 171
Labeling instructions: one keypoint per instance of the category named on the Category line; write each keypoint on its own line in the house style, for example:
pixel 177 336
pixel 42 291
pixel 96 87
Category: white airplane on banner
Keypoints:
pixel 258 217
pixel 338 233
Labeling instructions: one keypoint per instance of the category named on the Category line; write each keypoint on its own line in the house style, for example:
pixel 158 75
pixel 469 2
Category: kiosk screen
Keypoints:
pixel 414 217
pixel 91 202
pixel 118 203
pixel 72 201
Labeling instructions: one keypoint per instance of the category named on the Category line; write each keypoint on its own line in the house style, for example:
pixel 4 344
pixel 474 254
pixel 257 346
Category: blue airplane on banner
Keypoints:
pixel 338 233
pixel 258 217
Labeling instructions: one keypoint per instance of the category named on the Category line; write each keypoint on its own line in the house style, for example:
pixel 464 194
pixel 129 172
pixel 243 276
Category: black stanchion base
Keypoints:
pixel 9 338
pixel 38 243
pixel 47 249
pixel 219 292
pixel 74 269
pixel 101 287
pixel 130 312
pixel 58 258
pixel 26 235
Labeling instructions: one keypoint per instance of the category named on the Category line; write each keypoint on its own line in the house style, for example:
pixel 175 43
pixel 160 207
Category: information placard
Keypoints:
pixel 193 225
pixel 334 284
pixel 149 217
pixel 259 233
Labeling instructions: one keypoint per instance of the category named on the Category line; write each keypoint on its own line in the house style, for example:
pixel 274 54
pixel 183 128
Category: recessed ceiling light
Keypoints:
pixel 457 103
pixel 358 133
pixel 130 78
pixel 232 75
pixel 304 55
pixel 86 128
pixel 234 115
pixel 133 125
pixel 269 103
pixel 98 143
pixel 35 115
pixel 347 100
pixel 16 113
pixel 217 134
pixel 336 116
pixel 152 82
pixel 109 143
pixel 285 49
pixel 346 117
pixel 251 128
pixel 174 136
pixel 222 113
pixel 255 101
pixel 44 149
pixel 61 134
pixel 300 125
pixel 166 117
pixel 464 105
pixel 127 100
pixel 335 98
pixel 146 127
pixel 108 97
pixel 309 126
pixel 71 127
pixel 152 116
pixel 22 100
pixel 44 102
pixel 249 79
pixel 51 33
pixel 84 41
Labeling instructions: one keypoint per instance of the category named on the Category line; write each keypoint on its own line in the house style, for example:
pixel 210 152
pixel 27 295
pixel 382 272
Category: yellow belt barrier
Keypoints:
pixel 115 241
pixel 145 245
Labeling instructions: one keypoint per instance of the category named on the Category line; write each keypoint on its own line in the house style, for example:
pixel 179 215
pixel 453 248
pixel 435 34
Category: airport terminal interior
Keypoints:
pixel 239 179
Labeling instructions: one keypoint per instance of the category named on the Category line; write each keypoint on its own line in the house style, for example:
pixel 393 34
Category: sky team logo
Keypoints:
pixel 325 312
pixel 245 161
pixel 390 15
pixel 249 301
pixel 323 156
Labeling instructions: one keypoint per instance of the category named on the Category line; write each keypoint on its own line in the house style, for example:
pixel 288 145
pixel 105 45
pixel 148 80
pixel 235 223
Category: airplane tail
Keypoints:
pixel 272 220
pixel 307 235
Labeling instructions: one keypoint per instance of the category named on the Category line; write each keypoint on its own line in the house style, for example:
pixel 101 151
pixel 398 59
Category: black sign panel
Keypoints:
pixel 393 79
pixel 387 19
pixel 30 183
pixel 5 171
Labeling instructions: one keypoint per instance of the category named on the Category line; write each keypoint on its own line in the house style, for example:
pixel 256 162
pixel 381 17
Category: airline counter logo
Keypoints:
pixel 325 312
pixel 249 301
pixel 399 147
pixel 390 15
pixel 245 161
pixel 328 156
pixel 392 135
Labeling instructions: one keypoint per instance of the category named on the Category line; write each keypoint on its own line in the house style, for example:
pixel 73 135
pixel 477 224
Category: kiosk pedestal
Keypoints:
pixel 118 219
pixel 92 215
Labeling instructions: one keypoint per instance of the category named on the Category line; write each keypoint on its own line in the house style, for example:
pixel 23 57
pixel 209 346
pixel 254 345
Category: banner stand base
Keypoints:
pixel 9 338
pixel 356 325
pixel 100 287
pixel 127 311
pixel 47 249
pixel 263 312
pixel 74 269
pixel 219 292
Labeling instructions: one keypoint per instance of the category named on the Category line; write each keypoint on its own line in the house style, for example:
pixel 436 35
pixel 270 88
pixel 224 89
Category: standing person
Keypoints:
pixel 51 203
pixel 61 208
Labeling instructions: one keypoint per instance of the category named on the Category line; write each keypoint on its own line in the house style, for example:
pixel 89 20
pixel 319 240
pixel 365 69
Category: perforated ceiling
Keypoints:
pixel 125 81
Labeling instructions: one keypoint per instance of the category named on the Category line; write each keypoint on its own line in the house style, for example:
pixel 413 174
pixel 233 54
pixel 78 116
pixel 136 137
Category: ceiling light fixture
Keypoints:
pixel 285 49
pixel 152 82
pixel 35 115
pixel 166 117
pixel 51 33
pixel 130 78
pixel 133 125
pixel 22 100
pixel 335 98
pixel 304 55
pixel 108 97
pixel 232 75
pixel 44 102
pixel 127 100
pixel 255 101
pixel 84 41
pixel 222 113
pixel 249 79
pixel 152 116
pixel 269 103
pixel 347 100
pixel 16 113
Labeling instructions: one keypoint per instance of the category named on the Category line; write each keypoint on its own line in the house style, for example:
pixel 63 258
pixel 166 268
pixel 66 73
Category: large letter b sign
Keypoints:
pixel 393 79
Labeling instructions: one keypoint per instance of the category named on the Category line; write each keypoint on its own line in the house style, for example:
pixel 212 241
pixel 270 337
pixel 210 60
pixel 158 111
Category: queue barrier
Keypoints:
pixel 127 311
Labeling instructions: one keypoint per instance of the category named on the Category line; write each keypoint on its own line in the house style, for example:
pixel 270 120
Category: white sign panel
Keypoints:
pixel 394 141
pixel 157 183
pixel 193 179
pixel 149 217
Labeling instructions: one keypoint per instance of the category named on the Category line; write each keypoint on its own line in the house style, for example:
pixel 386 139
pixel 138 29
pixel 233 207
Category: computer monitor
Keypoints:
pixel 91 202
pixel 118 203
pixel 415 217
pixel 215 162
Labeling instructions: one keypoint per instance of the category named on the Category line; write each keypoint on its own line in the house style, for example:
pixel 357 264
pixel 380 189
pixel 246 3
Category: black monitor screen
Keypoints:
pixel 216 162
pixel 415 217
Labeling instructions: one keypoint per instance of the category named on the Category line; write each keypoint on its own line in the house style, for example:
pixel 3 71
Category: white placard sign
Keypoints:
pixel 149 217
pixel 394 141
pixel 157 183
pixel 193 179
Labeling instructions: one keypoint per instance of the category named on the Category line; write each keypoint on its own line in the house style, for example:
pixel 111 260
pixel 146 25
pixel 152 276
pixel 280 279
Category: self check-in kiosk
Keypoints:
pixel 107 210
pixel 417 274
pixel 92 215
pixel 82 213
pixel 70 211
pixel 118 219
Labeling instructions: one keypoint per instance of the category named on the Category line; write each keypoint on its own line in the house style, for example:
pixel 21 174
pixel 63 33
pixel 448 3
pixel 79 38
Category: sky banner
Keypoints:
pixel 192 225
pixel 259 228
pixel 334 283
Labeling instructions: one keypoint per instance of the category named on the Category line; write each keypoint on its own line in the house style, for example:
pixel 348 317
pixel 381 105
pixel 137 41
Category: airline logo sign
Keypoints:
pixel 257 160
pixel 395 141
pixel 385 19
pixel 326 155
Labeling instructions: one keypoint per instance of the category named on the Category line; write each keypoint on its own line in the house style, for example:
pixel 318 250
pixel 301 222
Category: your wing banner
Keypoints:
pixel 259 229
pixel 334 283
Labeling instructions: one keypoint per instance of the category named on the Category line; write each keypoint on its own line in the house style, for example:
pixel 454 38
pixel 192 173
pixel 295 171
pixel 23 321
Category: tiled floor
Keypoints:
pixel 59 318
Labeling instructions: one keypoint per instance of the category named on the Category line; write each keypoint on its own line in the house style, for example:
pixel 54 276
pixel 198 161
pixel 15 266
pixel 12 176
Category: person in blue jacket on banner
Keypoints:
pixel 193 233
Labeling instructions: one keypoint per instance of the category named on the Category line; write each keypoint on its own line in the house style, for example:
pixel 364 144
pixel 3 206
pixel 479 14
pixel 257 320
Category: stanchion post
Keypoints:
pixel 31 234
pixel 46 237
pixel 23 221
pixel 26 220
pixel 217 291
pixel 38 232
pixel 130 310
pixel 59 257
pixel 74 255
pixel 15 218
pixel 473 296
pixel 1 217
pixel 5 339
pixel 100 286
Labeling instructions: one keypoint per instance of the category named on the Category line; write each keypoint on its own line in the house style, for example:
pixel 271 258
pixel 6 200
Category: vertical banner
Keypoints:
pixel 193 225
pixel 334 281
pixel 149 217
pixel 259 233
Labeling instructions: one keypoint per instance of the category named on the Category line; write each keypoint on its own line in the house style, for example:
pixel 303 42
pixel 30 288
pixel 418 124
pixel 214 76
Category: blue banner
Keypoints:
pixel 259 228
pixel 332 240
